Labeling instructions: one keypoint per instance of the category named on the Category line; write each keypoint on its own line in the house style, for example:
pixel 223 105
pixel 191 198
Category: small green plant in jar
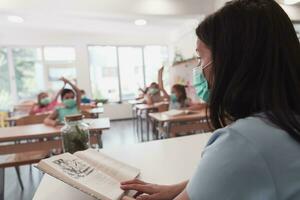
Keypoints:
pixel 75 134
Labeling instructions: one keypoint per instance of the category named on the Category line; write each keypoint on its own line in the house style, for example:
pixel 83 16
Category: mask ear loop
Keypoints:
pixel 207 65
pixel 199 64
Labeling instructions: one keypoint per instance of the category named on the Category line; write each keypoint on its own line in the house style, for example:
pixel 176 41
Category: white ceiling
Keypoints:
pixel 105 16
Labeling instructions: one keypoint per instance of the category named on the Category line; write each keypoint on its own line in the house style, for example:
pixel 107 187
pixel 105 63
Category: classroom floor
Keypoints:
pixel 121 132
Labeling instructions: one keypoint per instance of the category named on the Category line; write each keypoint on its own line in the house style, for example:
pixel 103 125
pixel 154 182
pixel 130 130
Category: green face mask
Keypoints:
pixel 45 101
pixel 173 98
pixel 69 103
pixel 200 83
pixel 153 91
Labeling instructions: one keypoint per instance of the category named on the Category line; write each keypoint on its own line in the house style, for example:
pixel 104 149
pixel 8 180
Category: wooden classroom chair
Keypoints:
pixel 3 117
pixel 31 119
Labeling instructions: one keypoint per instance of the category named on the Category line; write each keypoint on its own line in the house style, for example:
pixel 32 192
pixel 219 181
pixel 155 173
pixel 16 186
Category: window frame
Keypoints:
pixel 142 47
pixel 45 64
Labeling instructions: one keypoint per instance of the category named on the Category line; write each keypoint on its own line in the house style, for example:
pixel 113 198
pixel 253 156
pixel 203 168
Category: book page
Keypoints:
pixel 116 169
pixel 78 173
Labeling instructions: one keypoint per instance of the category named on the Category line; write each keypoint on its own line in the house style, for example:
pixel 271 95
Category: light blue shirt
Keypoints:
pixel 251 159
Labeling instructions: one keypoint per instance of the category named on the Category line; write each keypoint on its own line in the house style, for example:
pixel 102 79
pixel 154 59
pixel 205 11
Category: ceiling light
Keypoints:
pixel 140 22
pixel 290 2
pixel 15 19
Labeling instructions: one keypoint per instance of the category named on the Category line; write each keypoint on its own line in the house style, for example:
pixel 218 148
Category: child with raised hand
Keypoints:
pixel 44 103
pixel 178 98
pixel 71 99
pixel 153 94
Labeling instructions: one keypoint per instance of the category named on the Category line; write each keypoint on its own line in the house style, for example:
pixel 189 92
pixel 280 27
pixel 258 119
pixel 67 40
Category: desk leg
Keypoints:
pixel 159 128
pixel 2 181
pixel 99 137
pixel 147 125
pixel 155 133
pixel 133 117
pixel 19 177
pixel 169 125
pixel 141 124
pixel 137 124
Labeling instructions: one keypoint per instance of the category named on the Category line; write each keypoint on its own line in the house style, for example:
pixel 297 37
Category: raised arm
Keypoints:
pixel 161 83
pixel 76 89
pixel 59 92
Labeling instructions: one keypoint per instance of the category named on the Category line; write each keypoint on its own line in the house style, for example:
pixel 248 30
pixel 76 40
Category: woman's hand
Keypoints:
pixel 148 191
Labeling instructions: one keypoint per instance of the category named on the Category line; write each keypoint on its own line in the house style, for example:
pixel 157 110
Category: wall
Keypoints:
pixel 292 11
pixel 117 111
pixel 183 40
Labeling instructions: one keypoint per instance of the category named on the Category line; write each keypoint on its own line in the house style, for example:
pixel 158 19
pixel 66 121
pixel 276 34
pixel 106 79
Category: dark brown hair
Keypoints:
pixel 256 64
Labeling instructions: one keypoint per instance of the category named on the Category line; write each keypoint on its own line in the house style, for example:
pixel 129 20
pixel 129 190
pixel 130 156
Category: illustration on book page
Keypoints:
pixel 74 168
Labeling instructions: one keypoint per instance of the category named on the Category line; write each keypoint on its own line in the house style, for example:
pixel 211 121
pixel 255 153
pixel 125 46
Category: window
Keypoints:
pixel 131 71
pixel 155 58
pixel 59 61
pixel 118 72
pixel 104 72
pixel 5 97
pixel 55 73
pixel 28 71
pixel 59 53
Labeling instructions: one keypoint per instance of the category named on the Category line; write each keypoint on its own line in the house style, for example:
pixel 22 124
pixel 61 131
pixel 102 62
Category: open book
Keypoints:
pixel 91 172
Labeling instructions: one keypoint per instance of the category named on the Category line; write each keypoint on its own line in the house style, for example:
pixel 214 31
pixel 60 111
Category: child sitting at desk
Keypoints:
pixel 178 98
pixel 153 94
pixel 71 105
pixel 84 98
pixel 44 103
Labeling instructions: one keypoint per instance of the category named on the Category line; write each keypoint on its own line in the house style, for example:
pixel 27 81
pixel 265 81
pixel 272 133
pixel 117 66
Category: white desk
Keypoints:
pixel 163 162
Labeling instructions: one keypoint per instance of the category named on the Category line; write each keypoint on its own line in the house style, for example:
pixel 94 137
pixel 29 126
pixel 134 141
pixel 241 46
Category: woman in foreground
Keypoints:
pixel 250 71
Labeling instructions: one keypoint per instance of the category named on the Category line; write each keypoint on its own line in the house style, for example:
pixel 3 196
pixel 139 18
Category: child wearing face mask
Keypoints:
pixel 153 94
pixel 84 98
pixel 71 104
pixel 44 103
pixel 178 98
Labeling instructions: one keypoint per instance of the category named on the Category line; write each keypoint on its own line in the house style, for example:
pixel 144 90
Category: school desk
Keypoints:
pixel 38 137
pixel 12 120
pixel 146 109
pixel 194 121
pixel 133 103
pixel 93 112
pixel 162 161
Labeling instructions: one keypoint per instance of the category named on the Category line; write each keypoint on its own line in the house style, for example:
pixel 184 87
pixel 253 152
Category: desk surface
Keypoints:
pixel 134 102
pixel 41 130
pixel 164 162
pixel 97 110
pixel 194 115
pixel 148 107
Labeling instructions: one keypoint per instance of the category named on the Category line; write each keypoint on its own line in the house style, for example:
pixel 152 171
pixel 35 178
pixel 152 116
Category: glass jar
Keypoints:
pixel 75 134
